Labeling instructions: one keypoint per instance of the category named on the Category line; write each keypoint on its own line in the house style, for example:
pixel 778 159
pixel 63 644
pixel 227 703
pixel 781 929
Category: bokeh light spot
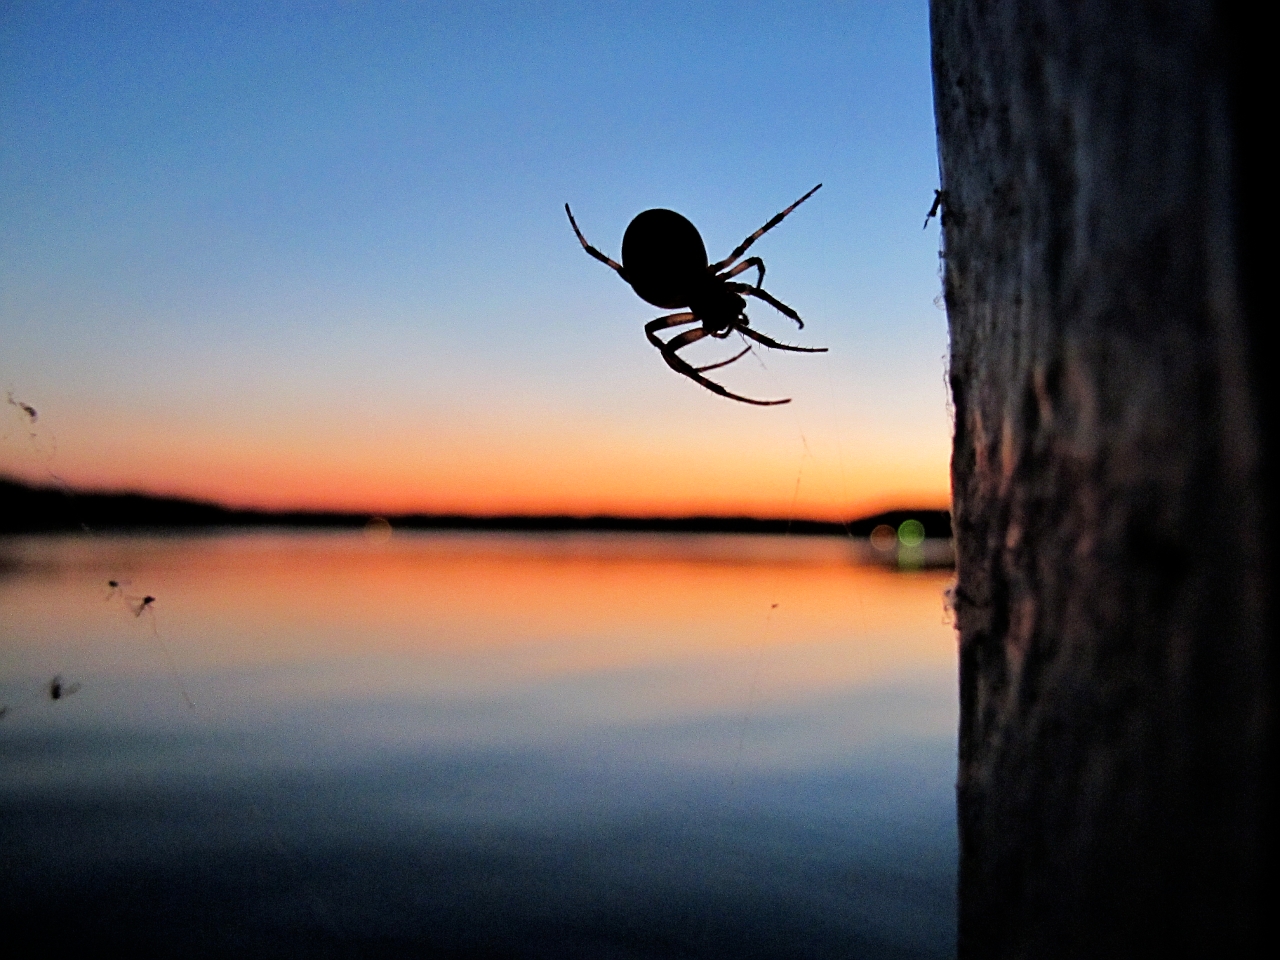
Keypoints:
pixel 911 533
pixel 378 530
pixel 884 537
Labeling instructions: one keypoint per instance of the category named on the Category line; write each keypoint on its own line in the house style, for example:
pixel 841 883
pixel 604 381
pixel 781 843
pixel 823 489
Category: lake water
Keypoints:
pixel 475 745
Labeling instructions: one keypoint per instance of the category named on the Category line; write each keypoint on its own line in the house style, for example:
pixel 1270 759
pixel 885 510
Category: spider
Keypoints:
pixel 665 262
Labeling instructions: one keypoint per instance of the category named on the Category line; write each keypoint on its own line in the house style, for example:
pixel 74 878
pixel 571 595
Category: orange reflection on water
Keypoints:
pixel 443 613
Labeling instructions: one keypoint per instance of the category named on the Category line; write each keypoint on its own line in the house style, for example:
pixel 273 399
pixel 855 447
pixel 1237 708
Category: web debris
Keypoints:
pixel 26 408
pixel 141 606
pixel 55 689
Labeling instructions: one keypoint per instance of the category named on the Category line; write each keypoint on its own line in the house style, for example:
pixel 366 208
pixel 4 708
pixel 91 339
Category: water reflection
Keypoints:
pixel 506 745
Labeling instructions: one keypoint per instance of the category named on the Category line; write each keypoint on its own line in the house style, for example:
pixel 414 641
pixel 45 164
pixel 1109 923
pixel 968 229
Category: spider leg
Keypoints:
pixel 590 249
pixel 741 248
pixel 669 349
pixel 670 320
pixel 770 342
pixel 724 363
pixel 746 264
pixel 769 299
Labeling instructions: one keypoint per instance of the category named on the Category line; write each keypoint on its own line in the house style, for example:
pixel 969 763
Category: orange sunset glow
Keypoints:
pixel 803 464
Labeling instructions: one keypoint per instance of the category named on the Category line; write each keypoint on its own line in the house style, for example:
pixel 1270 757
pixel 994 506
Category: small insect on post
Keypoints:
pixel 665 262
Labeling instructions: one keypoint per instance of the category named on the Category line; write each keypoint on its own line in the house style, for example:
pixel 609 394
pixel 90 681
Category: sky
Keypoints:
pixel 315 255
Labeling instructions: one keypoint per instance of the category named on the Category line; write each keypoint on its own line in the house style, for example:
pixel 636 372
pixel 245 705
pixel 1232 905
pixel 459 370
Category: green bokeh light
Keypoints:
pixel 911 533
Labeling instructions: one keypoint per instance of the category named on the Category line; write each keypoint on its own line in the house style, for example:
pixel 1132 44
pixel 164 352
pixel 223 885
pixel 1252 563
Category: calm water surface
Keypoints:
pixel 460 745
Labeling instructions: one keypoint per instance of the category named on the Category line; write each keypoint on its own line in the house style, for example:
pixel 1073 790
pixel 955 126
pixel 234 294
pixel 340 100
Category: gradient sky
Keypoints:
pixel 318 256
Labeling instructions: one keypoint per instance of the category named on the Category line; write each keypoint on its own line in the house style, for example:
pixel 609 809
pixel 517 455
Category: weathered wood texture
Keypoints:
pixel 1110 508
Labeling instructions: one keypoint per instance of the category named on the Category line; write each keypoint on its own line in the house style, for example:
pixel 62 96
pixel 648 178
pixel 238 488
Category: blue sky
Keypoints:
pixel 318 252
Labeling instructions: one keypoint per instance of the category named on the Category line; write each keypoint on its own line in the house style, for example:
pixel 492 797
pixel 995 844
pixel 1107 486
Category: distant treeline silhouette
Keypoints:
pixel 30 509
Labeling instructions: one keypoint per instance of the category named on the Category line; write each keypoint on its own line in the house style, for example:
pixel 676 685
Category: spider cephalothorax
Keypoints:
pixel 665 261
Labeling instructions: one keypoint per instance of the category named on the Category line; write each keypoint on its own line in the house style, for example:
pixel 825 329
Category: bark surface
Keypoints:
pixel 1109 479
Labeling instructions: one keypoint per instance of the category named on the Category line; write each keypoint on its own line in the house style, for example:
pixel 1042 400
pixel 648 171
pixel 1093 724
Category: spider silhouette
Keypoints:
pixel 665 262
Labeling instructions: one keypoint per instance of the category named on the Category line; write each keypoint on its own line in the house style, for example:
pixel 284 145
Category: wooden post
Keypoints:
pixel 1113 442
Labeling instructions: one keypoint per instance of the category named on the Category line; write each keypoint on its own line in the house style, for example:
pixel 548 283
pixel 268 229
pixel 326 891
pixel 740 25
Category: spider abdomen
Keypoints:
pixel 664 259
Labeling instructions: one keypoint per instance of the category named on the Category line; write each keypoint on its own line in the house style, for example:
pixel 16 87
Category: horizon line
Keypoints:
pixel 49 506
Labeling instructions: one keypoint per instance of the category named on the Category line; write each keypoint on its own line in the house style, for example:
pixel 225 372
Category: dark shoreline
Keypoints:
pixel 30 509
